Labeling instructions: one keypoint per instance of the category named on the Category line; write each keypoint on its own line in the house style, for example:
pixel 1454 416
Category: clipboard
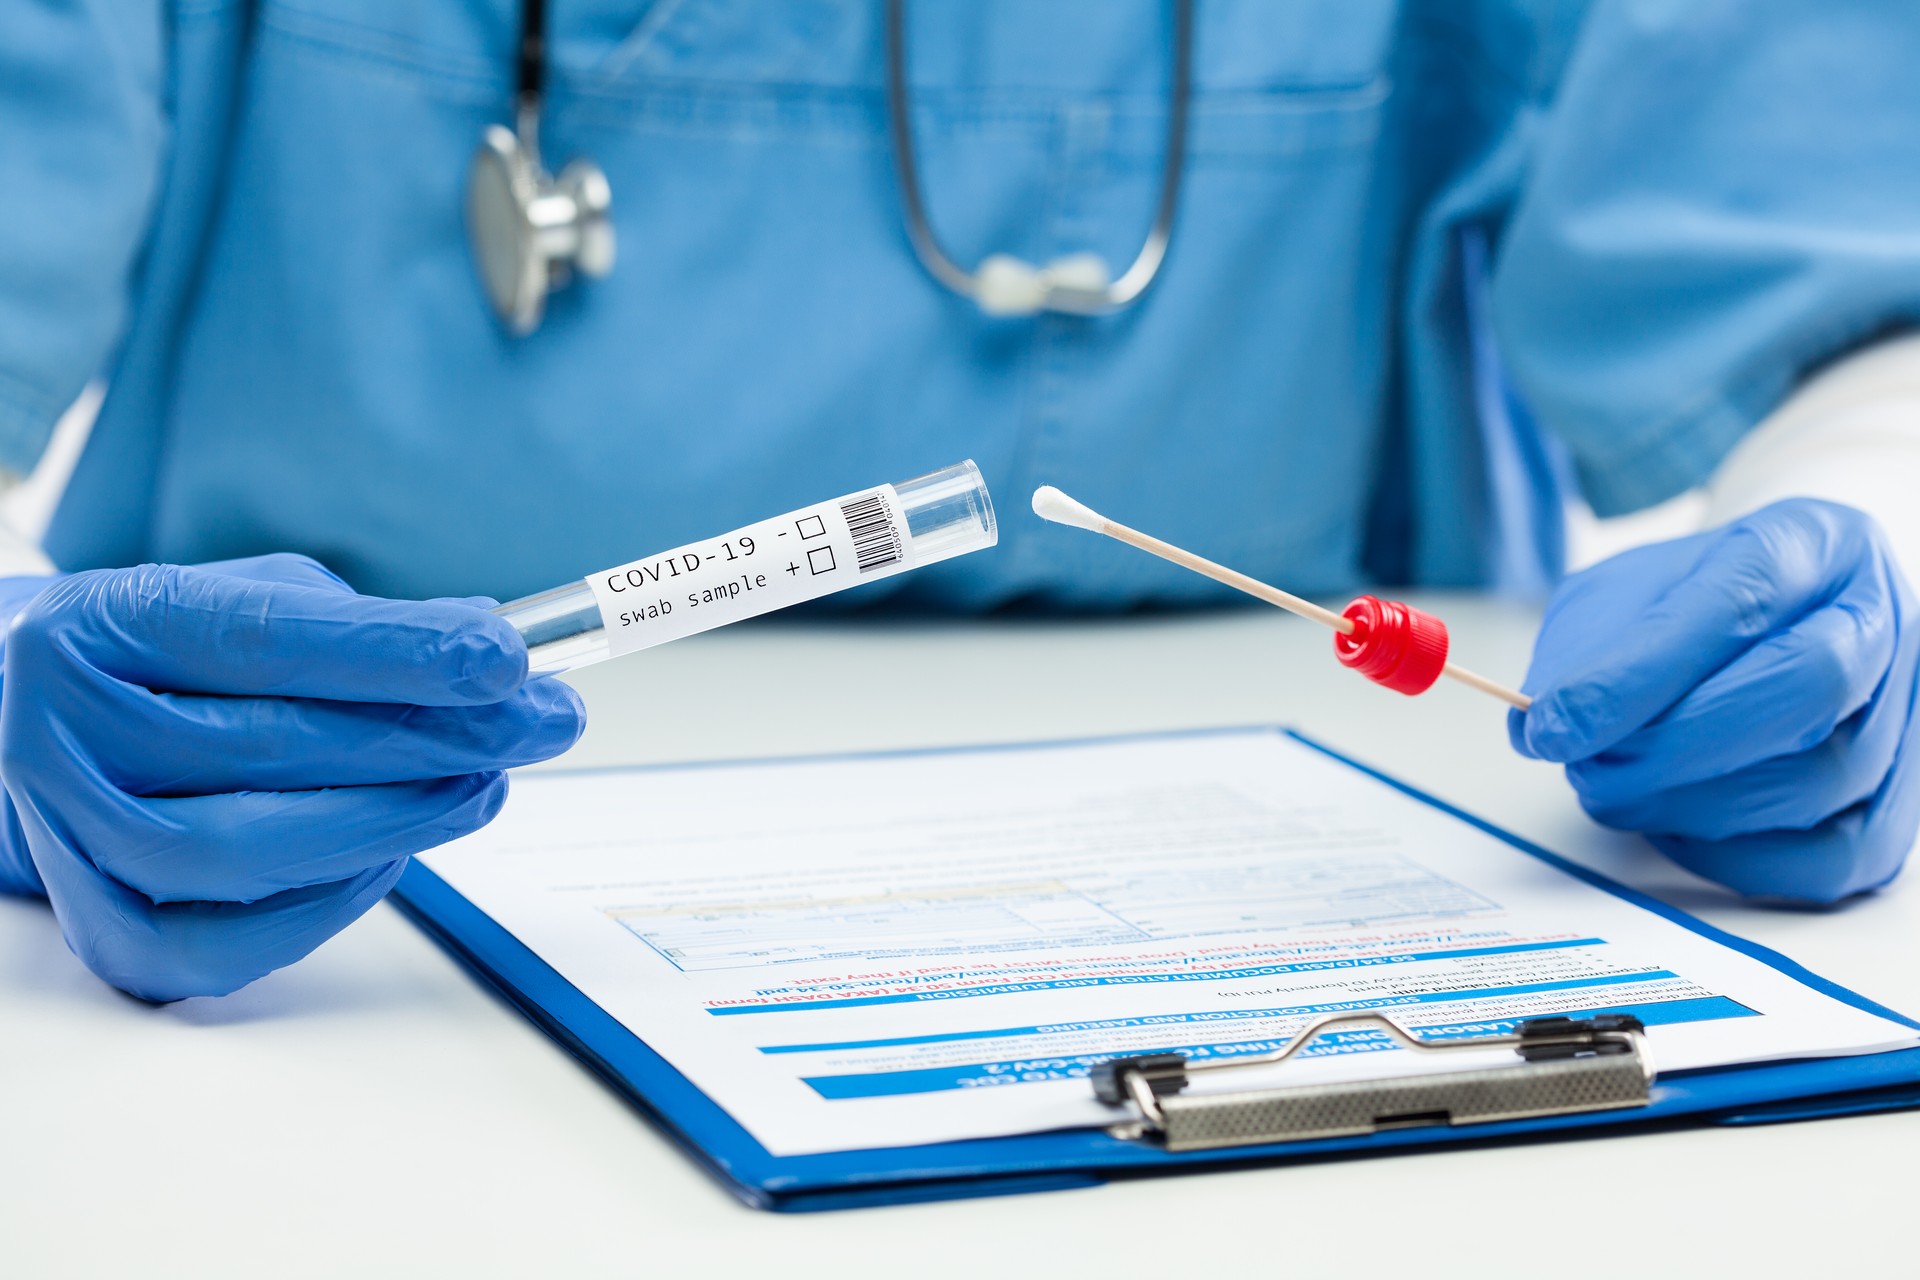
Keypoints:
pixel 1530 1099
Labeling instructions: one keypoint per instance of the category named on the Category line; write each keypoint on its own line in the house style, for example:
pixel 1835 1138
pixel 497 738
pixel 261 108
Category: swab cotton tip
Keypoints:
pixel 1051 504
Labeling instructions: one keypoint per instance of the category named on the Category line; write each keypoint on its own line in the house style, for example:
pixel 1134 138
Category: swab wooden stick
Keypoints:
pixel 1389 642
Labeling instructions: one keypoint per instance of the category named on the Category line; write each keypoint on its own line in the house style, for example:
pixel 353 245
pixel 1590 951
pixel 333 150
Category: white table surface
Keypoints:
pixel 373 1111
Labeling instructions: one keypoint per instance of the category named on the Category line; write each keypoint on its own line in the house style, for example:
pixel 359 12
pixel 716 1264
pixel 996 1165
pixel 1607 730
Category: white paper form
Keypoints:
pixel 891 950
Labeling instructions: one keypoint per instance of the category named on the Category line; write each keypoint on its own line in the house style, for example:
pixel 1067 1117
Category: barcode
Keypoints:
pixel 876 543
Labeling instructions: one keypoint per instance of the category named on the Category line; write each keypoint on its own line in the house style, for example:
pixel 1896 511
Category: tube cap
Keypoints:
pixel 1393 644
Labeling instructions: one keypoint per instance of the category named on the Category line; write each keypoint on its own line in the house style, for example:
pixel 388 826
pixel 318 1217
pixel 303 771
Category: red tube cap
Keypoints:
pixel 1393 644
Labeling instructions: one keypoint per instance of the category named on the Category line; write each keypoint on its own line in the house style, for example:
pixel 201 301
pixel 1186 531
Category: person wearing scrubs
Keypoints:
pixel 1430 267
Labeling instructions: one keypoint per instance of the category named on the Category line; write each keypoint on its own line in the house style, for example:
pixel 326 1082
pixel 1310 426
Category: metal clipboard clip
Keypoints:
pixel 1566 1066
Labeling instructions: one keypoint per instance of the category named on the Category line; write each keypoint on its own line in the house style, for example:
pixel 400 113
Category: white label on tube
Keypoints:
pixel 802 555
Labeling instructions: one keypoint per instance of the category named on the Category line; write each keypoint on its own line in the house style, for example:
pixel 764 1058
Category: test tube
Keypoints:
pixel 802 555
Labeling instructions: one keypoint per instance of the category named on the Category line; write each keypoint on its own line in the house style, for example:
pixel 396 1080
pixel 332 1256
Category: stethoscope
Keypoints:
pixel 531 231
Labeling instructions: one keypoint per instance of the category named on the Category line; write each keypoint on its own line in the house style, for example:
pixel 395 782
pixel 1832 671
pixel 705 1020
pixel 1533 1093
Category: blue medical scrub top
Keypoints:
pixel 1408 233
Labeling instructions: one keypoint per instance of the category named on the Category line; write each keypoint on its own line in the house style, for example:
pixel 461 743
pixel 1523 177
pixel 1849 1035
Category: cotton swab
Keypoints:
pixel 1389 642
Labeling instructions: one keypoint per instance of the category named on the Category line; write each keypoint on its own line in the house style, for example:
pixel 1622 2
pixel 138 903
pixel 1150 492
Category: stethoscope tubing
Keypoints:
pixel 530 54
pixel 926 243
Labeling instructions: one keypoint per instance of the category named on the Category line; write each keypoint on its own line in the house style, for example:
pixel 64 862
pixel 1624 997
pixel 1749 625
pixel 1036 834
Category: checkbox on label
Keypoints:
pixel 820 560
pixel 812 527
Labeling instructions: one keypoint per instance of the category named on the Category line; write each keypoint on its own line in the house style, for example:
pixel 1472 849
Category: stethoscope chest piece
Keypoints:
pixel 530 231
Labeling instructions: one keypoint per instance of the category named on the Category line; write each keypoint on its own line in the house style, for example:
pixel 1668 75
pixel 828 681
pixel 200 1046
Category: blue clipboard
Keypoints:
pixel 1761 1093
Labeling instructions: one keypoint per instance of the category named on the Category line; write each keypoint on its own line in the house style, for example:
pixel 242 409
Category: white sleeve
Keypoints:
pixel 1851 434
pixel 27 503
pixel 20 555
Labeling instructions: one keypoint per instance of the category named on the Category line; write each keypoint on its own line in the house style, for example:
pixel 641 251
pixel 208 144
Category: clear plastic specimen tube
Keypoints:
pixel 801 555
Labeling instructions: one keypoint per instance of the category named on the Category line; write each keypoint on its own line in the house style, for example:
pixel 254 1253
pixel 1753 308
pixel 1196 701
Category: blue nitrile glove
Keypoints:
pixel 1745 697
pixel 215 769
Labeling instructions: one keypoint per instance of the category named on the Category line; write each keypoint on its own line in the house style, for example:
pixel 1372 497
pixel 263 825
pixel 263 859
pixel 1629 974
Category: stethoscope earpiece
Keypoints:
pixel 1079 284
pixel 531 231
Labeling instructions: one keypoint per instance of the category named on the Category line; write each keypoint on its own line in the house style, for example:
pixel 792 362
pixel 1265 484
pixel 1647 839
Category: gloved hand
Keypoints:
pixel 215 769
pixel 1745 697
